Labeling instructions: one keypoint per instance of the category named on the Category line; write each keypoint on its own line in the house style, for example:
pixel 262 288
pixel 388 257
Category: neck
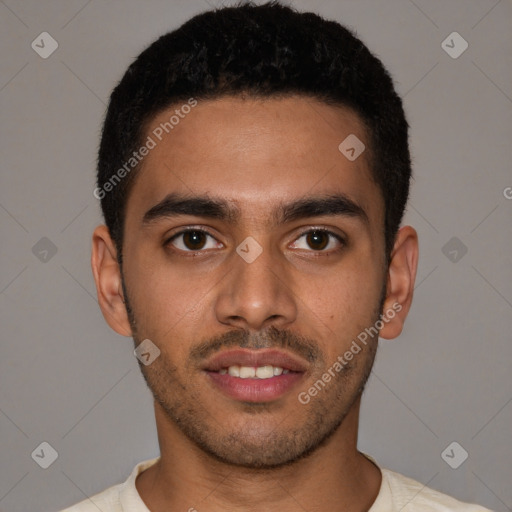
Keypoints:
pixel 185 478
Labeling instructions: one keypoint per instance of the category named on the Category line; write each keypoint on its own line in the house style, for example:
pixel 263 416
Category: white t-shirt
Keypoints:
pixel 397 494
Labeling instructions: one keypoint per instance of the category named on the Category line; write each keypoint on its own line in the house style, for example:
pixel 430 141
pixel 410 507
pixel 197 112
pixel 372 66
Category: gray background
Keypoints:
pixel 67 379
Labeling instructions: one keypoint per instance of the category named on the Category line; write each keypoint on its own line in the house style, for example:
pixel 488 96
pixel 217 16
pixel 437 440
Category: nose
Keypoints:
pixel 255 295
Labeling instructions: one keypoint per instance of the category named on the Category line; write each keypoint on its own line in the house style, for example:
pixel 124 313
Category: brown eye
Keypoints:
pixel 191 240
pixel 317 240
pixel 194 240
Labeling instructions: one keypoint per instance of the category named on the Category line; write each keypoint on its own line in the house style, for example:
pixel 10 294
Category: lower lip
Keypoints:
pixel 255 390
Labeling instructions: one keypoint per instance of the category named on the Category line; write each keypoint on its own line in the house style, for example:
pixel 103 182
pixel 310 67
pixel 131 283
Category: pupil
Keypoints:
pixel 315 239
pixel 193 239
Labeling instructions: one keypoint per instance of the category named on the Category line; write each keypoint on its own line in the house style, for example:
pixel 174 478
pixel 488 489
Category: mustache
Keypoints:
pixel 270 338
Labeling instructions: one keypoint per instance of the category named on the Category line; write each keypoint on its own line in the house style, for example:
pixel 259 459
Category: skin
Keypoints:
pixel 218 453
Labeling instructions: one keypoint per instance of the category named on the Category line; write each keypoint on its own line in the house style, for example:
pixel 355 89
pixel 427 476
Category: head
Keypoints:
pixel 233 127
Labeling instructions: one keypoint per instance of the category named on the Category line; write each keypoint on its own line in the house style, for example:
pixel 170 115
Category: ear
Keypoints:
pixel 400 282
pixel 107 275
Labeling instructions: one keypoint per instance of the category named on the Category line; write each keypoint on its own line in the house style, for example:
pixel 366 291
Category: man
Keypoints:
pixel 253 173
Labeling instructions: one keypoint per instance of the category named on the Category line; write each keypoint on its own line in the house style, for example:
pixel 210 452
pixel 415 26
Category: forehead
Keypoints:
pixel 256 153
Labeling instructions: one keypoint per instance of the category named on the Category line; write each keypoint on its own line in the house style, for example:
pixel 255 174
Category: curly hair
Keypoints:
pixel 267 50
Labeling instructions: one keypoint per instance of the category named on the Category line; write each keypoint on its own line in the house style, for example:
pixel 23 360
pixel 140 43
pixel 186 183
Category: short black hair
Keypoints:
pixel 268 50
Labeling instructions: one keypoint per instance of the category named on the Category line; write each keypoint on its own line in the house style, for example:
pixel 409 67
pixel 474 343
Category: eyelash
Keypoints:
pixel 339 238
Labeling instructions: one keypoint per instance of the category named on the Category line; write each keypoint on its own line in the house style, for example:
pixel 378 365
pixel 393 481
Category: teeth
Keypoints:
pixel 234 371
pixel 265 372
pixel 249 372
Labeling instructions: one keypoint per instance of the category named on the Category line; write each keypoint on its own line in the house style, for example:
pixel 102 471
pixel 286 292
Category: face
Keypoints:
pixel 253 256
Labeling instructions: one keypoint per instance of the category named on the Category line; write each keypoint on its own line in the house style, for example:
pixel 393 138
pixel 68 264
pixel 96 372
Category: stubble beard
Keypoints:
pixel 245 446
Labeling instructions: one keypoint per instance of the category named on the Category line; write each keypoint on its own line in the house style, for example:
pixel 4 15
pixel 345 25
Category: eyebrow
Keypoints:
pixel 175 204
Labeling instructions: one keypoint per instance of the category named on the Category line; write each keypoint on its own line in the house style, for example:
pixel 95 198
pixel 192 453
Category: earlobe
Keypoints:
pixel 107 276
pixel 400 282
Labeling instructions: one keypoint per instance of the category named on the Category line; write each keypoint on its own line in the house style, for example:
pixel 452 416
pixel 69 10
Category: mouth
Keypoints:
pixel 250 372
pixel 255 375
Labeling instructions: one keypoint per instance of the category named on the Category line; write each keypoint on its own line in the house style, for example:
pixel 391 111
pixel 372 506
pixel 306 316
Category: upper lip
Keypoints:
pixel 255 358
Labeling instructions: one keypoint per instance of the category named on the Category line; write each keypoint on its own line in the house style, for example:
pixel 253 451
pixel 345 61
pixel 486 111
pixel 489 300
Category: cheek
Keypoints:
pixel 349 294
pixel 165 299
pixel 341 306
